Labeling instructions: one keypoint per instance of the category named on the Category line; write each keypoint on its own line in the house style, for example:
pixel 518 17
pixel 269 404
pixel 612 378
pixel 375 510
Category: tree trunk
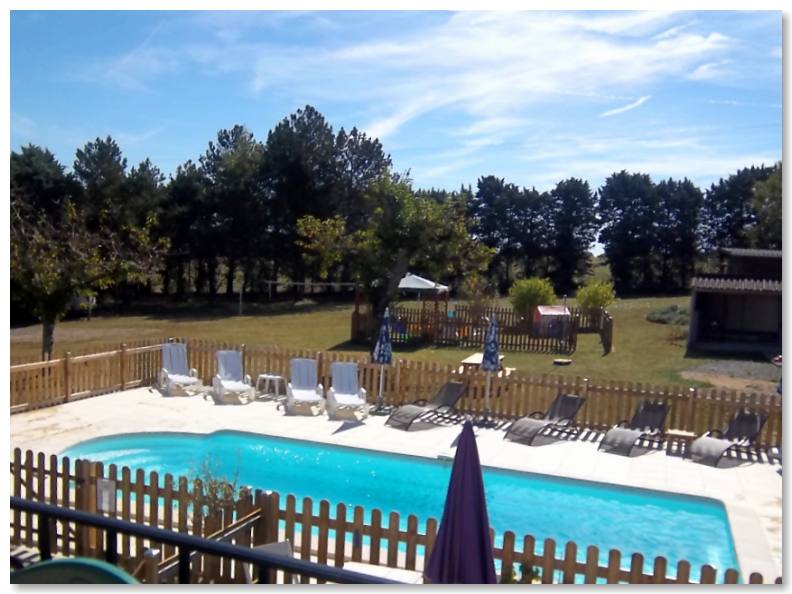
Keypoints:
pixel 47 336
pixel 230 278
pixel 397 272
pixel 211 273
pixel 200 277
pixel 180 278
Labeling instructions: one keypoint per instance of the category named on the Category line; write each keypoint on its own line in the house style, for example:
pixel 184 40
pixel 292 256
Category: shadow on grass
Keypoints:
pixel 196 311
pixel 359 347
pixel 718 356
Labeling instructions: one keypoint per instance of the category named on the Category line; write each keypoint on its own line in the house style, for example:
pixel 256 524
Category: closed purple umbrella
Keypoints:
pixel 462 552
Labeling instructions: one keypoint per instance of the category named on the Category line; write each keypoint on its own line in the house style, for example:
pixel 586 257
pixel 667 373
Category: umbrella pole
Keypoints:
pixel 487 396
pixel 379 396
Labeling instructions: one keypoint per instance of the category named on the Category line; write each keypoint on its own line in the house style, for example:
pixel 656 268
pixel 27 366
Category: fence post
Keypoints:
pixel 691 416
pixel 397 387
pixel 122 365
pixel 151 561
pixel 320 370
pixel 586 383
pixel 67 376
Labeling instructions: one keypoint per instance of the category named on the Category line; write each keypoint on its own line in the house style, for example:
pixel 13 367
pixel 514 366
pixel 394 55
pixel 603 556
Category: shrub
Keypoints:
pixel 478 293
pixel 213 491
pixel 527 293
pixel 673 314
pixel 595 295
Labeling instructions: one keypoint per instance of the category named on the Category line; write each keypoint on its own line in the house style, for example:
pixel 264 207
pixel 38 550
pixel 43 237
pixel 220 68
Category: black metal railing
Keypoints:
pixel 186 544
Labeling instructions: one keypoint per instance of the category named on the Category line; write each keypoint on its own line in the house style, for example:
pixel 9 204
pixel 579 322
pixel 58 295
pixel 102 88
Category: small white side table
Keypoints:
pixel 270 382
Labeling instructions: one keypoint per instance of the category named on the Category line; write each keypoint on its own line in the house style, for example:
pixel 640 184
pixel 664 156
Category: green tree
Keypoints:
pixel 728 213
pixel 56 252
pixel 679 213
pixel 360 160
pixel 766 203
pixel 231 169
pixel 184 220
pixel 300 171
pixel 574 225
pixel 511 221
pixel 404 232
pixel 628 209
pixel 527 293
pixel 100 168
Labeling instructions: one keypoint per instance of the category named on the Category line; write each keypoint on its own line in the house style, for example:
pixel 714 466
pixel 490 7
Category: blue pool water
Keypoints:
pixel 631 520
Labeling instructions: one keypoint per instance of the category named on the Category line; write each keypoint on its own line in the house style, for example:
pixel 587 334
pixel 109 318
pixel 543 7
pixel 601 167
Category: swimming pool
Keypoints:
pixel 632 520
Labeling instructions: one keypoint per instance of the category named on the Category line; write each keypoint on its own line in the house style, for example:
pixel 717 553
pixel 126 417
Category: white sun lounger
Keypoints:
pixel 304 394
pixel 231 385
pixel 346 399
pixel 175 374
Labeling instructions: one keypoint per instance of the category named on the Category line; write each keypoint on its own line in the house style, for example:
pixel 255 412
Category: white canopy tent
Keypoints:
pixel 413 282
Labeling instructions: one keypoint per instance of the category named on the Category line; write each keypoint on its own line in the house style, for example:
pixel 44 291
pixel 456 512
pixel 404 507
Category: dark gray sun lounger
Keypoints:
pixel 738 436
pixel 560 417
pixel 441 407
pixel 645 425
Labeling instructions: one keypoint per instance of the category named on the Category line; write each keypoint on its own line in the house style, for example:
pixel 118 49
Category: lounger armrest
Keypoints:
pixel 421 402
pixel 217 388
pixel 193 372
pixel 537 414
pixel 622 423
pixel 362 394
pixel 320 390
pixel 713 433
pixel 331 405
pixel 248 379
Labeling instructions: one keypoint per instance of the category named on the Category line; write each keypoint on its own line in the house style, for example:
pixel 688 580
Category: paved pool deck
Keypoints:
pixel 751 492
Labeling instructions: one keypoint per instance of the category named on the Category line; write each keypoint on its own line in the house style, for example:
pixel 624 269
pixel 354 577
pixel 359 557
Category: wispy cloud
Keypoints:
pixel 127 138
pixel 499 87
pixel 628 107
pixel 674 31
pixel 738 103
pixel 711 71
pixel 135 69
pixel 485 66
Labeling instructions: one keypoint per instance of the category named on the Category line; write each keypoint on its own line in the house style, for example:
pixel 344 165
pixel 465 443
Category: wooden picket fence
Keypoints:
pixel 319 531
pixel 465 327
pixel 513 394
pixel 72 377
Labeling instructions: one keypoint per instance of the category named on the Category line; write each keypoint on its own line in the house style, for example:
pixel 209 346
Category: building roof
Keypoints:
pixel 752 253
pixel 721 284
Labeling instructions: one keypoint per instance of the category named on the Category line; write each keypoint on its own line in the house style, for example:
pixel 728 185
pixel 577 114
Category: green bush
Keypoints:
pixel 527 293
pixel 478 293
pixel 595 295
pixel 673 314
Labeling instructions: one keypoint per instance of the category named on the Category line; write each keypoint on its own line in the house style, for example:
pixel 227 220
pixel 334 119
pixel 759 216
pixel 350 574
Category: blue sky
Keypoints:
pixel 533 97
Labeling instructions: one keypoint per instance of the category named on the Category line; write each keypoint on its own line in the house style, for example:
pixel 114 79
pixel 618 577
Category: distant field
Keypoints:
pixel 643 351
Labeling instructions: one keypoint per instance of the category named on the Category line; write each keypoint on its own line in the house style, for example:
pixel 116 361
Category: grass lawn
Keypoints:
pixel 643 351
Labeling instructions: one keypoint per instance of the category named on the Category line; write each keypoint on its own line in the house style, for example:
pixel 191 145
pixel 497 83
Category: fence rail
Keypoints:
pixel 264 561
pixel 693 411
pixel 319 531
